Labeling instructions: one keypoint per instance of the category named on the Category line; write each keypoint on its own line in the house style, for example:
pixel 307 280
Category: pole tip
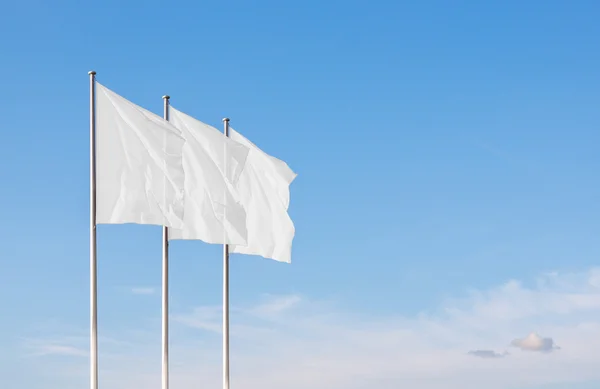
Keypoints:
pixel 92 73
pixel 166 97
pixel 225 119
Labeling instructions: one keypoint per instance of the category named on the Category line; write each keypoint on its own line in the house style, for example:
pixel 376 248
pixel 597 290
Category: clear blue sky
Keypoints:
pixel 441 151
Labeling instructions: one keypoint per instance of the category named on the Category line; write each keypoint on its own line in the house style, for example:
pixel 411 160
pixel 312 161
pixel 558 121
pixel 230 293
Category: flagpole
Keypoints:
pixel 93 262
pixel 165 287
pixel 226 298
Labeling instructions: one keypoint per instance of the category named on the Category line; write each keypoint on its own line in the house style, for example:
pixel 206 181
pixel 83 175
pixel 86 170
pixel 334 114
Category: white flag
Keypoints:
pixel 212 165
pixel 264 192
pixel 139 167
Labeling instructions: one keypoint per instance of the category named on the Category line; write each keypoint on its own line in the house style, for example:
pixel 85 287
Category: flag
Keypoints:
pixel 263 188
pixel 139 164
pixel 212 165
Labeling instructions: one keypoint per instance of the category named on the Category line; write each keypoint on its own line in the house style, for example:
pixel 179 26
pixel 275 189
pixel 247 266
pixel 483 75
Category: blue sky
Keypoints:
pixel 446 202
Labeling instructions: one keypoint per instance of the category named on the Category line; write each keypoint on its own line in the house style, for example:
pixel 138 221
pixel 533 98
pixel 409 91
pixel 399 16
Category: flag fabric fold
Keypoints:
pixel 213 164
pixel 139 164
pixel 263 189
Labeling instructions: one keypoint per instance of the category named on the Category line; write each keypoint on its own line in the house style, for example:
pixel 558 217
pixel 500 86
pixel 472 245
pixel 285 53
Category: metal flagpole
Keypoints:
pixel 226 299
pixel 165 288
pixel 93 265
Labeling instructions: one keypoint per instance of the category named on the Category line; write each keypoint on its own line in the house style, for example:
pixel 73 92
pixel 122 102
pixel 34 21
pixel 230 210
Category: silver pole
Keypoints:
pixel 165 288
pixel 93 264
pixel 226 298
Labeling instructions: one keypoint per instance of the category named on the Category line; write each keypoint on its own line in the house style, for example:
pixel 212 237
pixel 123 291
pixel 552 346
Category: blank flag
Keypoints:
pixel 212 164
pixel 139 164
pixel 263 189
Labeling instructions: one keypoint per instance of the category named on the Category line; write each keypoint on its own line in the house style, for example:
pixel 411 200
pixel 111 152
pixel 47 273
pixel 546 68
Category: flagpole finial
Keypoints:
pixel 226 119
pixel 92 73
pixel 166 97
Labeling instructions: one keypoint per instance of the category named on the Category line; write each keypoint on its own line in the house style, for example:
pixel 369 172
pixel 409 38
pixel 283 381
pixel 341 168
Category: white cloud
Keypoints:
pixel 295 342
pixel 534 342
pixel 145 291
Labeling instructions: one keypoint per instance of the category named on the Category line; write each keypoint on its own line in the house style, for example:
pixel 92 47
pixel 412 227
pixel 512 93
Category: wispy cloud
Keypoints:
pixel 204 318
pixel 487 354
pixel 143 291
pixel 298 343
pixel 61 347
pixel 276 305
